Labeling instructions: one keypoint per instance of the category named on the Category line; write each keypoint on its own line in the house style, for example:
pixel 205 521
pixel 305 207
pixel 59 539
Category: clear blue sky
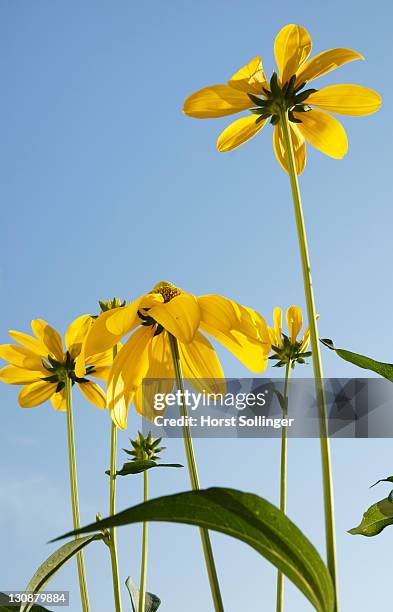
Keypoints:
pixel 107 188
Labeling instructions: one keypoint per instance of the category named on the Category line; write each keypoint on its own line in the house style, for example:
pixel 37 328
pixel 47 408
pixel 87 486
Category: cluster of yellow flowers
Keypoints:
pixel 41 364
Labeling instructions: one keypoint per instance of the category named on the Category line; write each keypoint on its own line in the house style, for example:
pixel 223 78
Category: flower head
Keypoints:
pixel 249 89
pixel 166 309
pixel 287 348
pixel 42 365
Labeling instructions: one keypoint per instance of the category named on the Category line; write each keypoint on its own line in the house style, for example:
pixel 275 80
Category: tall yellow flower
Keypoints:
pixel 147 354
pixel 248 89
pixel 41 364
pixel 288 348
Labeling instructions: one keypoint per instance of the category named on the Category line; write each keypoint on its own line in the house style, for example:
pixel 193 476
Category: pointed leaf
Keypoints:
pixel 152 602
pixel 51 566
pixel 141 465
pixel 248 518
pixel 375 519
pixel 381 368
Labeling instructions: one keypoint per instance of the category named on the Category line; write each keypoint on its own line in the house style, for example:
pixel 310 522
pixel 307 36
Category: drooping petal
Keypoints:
pixel 250 78
pixel 76 334
pixel 294 322
pixel 346 100
pixel 239 132
pixel 14 375
pixel 22 357
pixel 180 316
pixel 324 132
pixel 325 62
pixel 110 327
pixel 291 49
pixel 216 101
pixel 29 342
pixel 36 393
pixel 306 340
pixel 201 365
pixel 93 393
pixel 58 401
pixel 159 379
pixel 128 370
pixel 49 337
pixel 298 143
pixel 235 327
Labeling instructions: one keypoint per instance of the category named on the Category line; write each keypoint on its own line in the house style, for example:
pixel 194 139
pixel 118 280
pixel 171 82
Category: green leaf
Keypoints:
pixel 388 479
pixel 375 519
pixel 141 465
pixel 381 368
pixel 51 566
pixel 14 608
pixel 152 602
pixel 248 518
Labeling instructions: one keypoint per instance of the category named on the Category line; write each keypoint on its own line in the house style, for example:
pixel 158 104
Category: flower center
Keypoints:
pixel 59 371
pixel 280 98
pixel 167 290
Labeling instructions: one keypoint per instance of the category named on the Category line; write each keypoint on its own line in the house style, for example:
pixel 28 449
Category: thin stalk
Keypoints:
pixel 74 493
pixel 194 478
pixel 142 586
pixel 112 511
pixel 283 482
pixel 316 355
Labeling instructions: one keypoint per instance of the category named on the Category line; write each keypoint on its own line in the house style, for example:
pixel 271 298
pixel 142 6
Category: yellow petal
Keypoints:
pixel 76 334
pixel 216 101
pixel 58 401
pixel 201 365
pixel 306 340
pixel 22 357
pixel 251 78
pixel 29 342
pixel 299 147
pixel 13 375
pixel 101 372
pixel 180 316
pixel 325 62
pixel 128 370
pixel 159 378
pixel 239 132
pixel 93 393
pixel 36 393
pixel 277 323
pixel 110 327
pixel 236 328
pixel 294 322
pixel 346 100
pixel 49 337
pixel 291 49
pixel 324 132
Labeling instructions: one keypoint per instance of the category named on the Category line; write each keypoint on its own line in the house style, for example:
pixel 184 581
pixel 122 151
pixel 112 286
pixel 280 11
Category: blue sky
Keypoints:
pixel 107 188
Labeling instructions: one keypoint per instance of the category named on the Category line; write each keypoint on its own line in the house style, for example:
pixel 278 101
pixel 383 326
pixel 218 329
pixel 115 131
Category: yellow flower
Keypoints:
pixel 41 365
pixel 288 348
pixel 146 354
pixel 248 89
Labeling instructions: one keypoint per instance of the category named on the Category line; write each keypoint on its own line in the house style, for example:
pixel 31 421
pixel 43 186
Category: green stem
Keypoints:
pixel 316 356
pixel 142 586
pixel 192 469
pixel 283 482
pixel 112 511
pixel 74 493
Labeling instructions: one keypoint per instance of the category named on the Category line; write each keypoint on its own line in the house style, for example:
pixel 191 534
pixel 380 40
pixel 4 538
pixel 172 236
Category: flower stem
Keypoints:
pixel 74 493
pixel 194 478
pixel 283 482
pixel 112 510
pixel 142 586
pixel 316 356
